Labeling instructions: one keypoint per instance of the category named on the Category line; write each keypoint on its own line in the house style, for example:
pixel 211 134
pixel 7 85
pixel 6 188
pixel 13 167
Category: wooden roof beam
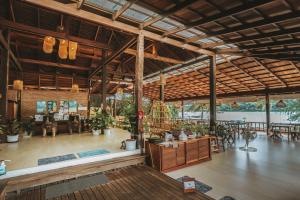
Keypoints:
pixel 43 32
pixel 11 53
pixel 154 57
pixel 113 56
pixel 171 11
pixel 122 9
pixel 256 24
pixel 275 75
pixel 71 9
pixel 245 71
pixel 243 8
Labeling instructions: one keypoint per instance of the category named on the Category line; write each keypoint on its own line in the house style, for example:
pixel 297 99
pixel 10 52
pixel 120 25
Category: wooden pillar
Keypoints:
pixel 4 77
pixel 212 96
pixel 138 88
pixel 182 109
pixel 89 100
pixel 268 113
pixel 161 92
pixel 115 106
pixel 103 81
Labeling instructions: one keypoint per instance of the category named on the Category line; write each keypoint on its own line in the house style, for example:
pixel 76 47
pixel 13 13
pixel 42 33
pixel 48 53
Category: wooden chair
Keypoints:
pixel 295 133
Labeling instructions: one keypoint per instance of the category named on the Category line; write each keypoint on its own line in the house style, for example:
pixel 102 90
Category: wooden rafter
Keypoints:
pixel 171 11
pixel 71 9
pixel 113 56
pixel 273 73
pixel 245 71
pixel 252 25
pixel 243 8
pixel 43 32
pixel 122 9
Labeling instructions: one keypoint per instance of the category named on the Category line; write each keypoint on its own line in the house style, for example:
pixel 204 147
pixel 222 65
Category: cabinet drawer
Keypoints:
pixel 192 151
pixel 180 154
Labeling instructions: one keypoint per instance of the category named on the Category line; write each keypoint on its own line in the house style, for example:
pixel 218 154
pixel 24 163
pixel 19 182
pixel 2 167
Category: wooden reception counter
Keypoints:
pixel 186 153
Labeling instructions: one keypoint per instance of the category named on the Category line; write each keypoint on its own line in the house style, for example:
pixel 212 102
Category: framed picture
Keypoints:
pixel 41 107
pixel 72 106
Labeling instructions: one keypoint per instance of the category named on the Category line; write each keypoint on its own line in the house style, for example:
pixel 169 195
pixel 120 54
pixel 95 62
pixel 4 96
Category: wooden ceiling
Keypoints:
pixel 264 33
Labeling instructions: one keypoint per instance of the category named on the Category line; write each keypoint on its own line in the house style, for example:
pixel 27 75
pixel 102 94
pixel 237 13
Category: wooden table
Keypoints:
pixel 133 182
pixel 190 152
pixel 282 126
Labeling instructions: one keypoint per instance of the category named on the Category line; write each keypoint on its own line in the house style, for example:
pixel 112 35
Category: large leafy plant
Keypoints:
pixel 95 122
pixel 28 125
pixel 11 127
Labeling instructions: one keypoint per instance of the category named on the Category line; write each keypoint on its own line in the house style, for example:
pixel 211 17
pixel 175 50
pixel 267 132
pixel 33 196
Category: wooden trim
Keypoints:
pixel 41 178
pixel 71 9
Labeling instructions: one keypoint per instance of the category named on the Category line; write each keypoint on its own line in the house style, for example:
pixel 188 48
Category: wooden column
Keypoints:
pixel 161 92
pixel 139 71
pixel 4 77
pixel 268 113
pixel 103 81
pixel 182 109
pixel 89 100
pixel 212 96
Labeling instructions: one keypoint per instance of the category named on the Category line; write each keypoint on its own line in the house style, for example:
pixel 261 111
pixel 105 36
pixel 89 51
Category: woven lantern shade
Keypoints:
pixel 18 85
pixel 63 49
pixel 75 88
pixel 280 104
pixel 48 44
pixel 72 50
pixel 235 105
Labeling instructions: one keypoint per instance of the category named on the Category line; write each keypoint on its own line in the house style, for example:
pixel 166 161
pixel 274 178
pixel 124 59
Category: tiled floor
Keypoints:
pixel 273 172
pixel 26 153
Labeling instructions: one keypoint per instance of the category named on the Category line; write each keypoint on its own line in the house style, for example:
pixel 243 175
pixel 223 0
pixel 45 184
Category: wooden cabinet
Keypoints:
pixel 187 153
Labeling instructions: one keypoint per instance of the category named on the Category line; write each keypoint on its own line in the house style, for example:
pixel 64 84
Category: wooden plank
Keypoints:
pixel 26 181
pixel 71 9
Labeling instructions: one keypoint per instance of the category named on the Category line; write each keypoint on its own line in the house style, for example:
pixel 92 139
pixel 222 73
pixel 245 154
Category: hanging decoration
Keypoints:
pixel 235 105
pixel 63 49
pixel 280 104
pixel 72 50
pixel 75 88
pixel 18 85
pixel 48 44
pixel 162 79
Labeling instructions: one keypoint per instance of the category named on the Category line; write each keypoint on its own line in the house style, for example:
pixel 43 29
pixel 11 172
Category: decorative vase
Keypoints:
pixel 107 131
pixel 12 138
pixel 130 145
pixel 96 132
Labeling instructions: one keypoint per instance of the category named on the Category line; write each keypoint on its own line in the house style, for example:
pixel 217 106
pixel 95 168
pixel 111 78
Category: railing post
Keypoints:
pixel 268 112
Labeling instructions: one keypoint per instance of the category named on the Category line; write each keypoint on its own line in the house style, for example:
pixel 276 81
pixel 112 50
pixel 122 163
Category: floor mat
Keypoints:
pixel 53 191
pixel 45 161
pixel 201 187
pixel 92 153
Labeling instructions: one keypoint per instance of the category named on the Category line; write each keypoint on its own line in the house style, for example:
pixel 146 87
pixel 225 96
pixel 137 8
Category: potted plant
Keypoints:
pixel 11 129
pixel 106 121
pixel 28 127
pixel 96 123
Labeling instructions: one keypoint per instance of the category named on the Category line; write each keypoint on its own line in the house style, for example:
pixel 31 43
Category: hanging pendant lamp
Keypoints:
pixel 72 50
pixel 280 104
pixel 48 44
pixel 18 85
pixel 63 49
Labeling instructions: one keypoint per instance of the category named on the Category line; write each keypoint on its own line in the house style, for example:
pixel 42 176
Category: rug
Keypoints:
pixel 92 153
pixel 71 186
pixel 201 187
pixel 45 161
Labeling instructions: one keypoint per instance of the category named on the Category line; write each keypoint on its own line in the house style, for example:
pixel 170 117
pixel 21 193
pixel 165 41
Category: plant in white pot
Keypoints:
pixel 28 127
pixel 12 129
pixel 107 121
pixel 96 124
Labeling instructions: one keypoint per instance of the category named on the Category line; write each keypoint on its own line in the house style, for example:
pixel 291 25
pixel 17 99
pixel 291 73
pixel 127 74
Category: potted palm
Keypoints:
pixel 28 127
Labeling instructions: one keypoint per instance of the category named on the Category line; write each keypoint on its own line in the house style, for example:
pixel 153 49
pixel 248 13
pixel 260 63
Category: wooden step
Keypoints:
pixel 41 178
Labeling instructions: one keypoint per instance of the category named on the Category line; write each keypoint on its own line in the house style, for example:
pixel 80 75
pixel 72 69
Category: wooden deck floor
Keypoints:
pixel 133 182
